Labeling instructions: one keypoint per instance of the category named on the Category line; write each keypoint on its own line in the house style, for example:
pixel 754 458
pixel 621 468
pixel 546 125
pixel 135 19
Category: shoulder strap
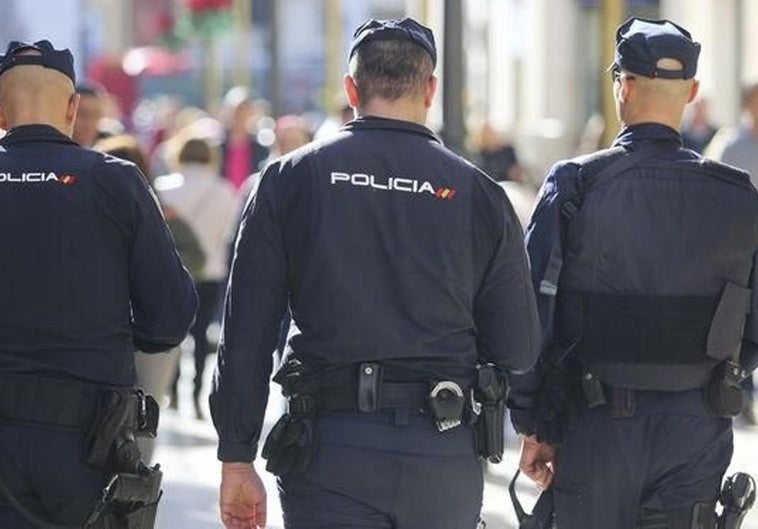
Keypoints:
pixel 592 172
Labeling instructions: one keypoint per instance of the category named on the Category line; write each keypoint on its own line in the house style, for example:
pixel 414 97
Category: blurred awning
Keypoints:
pixel 154 60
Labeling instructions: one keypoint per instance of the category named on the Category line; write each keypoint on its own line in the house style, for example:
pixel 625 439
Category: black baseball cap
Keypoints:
pixel 49 57
pixel 641 43
pixel 406 29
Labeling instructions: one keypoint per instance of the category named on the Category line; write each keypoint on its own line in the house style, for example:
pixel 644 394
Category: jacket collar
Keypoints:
pixel 646 132
pixel 29 133
pixel 377 123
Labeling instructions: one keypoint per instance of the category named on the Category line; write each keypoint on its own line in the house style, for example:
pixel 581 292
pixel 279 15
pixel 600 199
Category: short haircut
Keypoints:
pixel 196 150
pixel 390 69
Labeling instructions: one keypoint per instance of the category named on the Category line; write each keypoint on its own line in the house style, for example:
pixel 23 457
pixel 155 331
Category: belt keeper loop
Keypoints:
pixel 622 403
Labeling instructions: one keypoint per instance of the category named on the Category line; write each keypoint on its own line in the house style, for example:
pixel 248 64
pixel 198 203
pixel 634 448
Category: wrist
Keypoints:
pixel 230 467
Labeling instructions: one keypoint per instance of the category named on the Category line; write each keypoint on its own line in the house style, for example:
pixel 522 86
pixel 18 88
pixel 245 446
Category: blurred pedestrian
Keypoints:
pixel 404 268
pixel 495 156
pixel 698 130
pixel 643 263
pixel 88 271
pixel 740 148
pixel 242 154
pixel 87 125
pixel 207 202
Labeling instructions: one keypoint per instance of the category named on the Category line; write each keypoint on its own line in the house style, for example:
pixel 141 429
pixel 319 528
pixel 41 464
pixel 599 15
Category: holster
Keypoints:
pixel 723 396
pixel 120 416
pixel 291 443
pixel 490 425
pixel 130 501
pixel 737 498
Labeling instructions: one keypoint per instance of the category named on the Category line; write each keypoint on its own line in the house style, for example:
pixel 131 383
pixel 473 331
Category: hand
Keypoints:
pixel 537 461
pixel 242 498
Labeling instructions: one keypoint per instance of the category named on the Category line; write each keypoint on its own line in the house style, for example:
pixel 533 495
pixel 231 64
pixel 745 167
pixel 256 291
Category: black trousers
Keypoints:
pixel 669 456
pixel 46 472
pixel 372 471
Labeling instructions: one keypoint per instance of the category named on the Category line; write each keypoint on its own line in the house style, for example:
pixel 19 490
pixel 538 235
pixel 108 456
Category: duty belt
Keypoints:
pixel 390 396
pixel 52 402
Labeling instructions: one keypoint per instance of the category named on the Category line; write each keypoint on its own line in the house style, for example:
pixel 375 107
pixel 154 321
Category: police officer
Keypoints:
pixel 88 274
pixel 402 266
pixel 643 258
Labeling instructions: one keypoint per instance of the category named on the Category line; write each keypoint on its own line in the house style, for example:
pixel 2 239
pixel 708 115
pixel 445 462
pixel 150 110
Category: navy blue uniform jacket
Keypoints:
pixel 387 247
pixel 88 269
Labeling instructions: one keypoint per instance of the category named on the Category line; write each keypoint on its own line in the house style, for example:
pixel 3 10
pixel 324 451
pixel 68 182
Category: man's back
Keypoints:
pixel 89 272
pixel 404 268
pixel 388 237
pixel 77 272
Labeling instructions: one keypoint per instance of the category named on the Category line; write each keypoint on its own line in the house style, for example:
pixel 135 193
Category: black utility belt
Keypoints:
pixel 67 404
pixel 722 394
pixel 444 400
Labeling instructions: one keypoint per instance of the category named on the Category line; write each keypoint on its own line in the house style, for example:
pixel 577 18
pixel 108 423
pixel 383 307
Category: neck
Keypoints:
pixel 19 121
pixel 403 109
pixel 675 122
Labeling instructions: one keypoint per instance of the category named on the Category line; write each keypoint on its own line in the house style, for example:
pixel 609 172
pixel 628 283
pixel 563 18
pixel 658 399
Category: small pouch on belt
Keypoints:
pixel 369 387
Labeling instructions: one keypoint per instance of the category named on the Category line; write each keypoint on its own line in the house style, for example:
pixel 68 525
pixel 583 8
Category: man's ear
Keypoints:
pixel 624 89
pixel 694 90
pixel 430 90
pixel 73 109
pixel 351 91
pixel 3 119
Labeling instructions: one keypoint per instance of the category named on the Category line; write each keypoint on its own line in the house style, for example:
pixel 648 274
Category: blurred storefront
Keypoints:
pixel 534 69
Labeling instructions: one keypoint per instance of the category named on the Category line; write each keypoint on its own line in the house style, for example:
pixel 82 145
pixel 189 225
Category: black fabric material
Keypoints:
pixel 406 29
pixel 412 396
pixel 649 287
pixel 89 269
pixel 642 329
pixel 667 457
pixel 595 170
pixel 426 274
pixel 641 43
pixel 48 402
pixel 46 472
pixel 370 473
pixel 675 225
pixel 61 60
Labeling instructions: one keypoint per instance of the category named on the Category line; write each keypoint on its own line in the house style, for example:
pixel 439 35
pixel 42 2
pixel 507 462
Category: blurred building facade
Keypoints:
pixel 532 68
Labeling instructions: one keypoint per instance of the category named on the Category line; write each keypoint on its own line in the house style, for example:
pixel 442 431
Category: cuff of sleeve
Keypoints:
pixel 230 452
pixel 523 421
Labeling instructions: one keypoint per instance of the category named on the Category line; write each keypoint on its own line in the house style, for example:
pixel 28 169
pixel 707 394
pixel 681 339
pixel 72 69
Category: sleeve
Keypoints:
pixel 749 353
pixel 504 309
pixel 255 304
pixel 543 233
pixel 161 291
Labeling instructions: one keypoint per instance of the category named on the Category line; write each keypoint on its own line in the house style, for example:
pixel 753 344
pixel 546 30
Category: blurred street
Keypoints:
pixel 187 453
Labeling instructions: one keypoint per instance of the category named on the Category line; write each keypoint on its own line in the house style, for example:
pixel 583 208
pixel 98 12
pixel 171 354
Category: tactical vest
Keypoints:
pixel 651 276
